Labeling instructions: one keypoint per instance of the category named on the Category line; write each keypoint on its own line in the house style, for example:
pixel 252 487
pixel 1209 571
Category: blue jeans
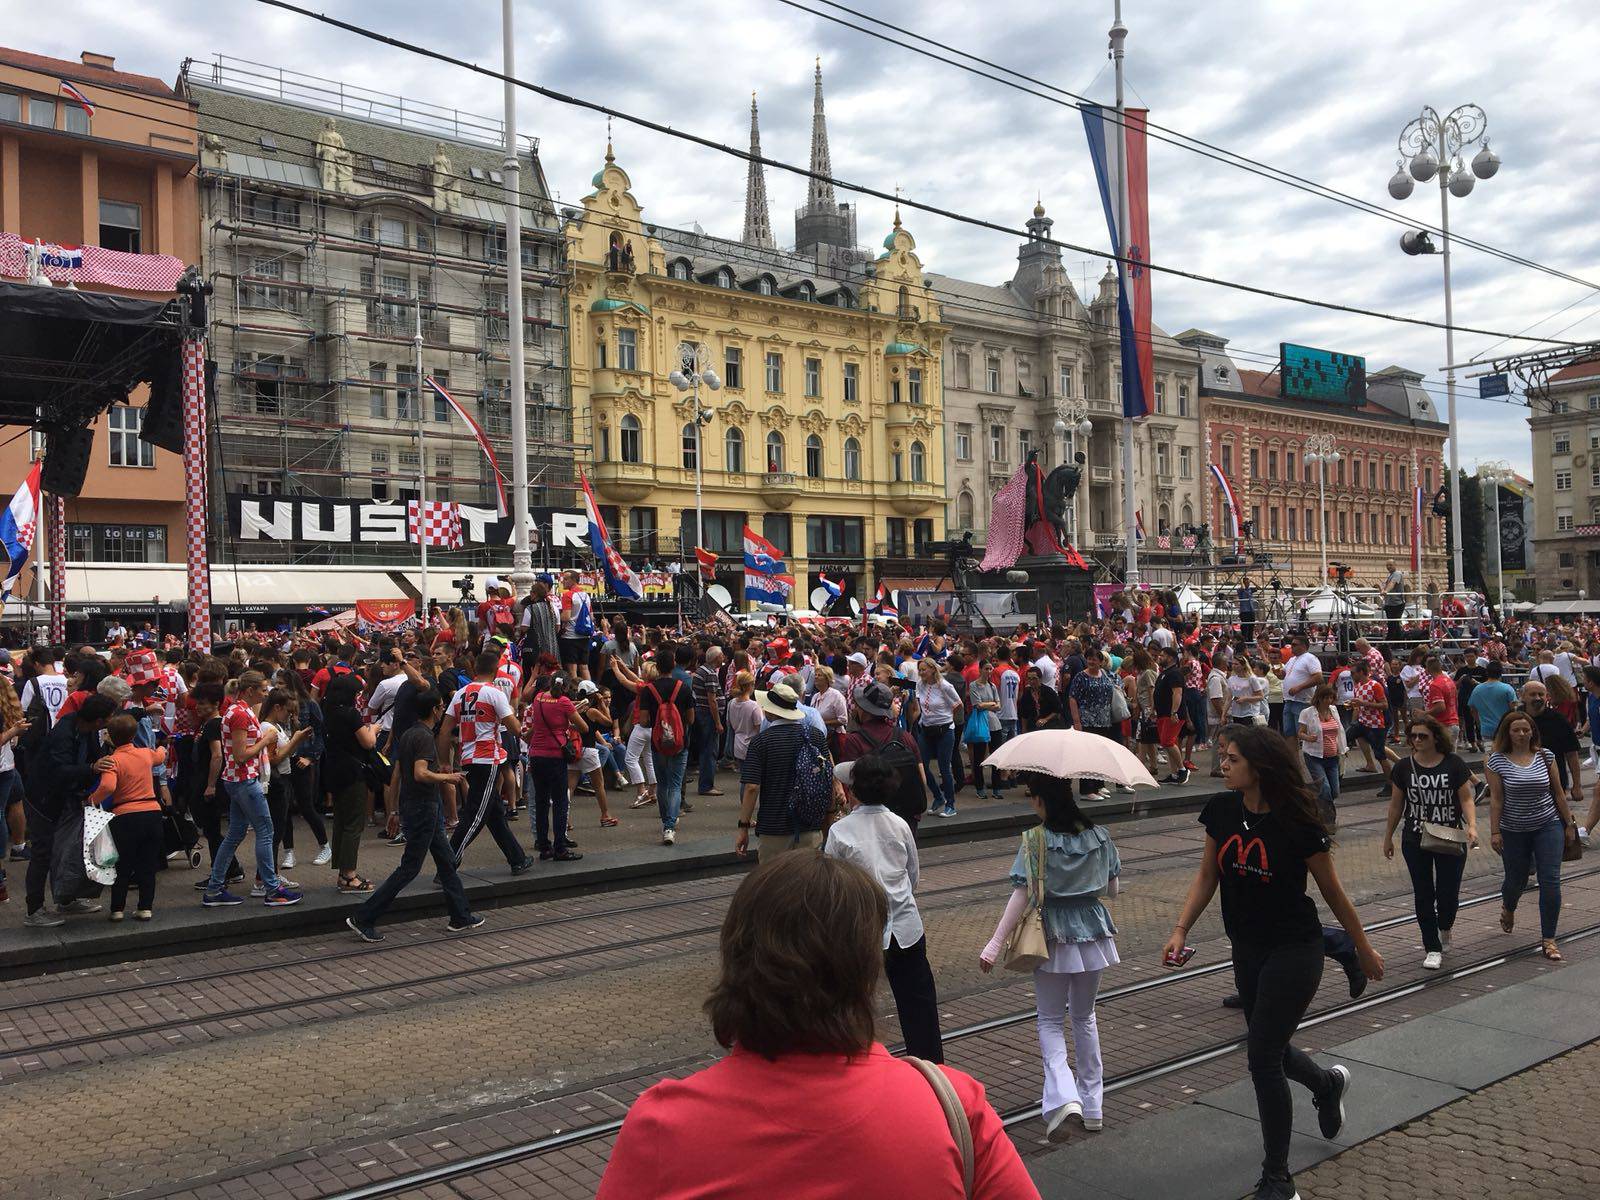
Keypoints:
pixel 710 745
pixel 422 822
pixel 1291 717
pixel 669 785
pixel 1540 848
pixel 247 808
pixel 1007 731
pixel 614 754
pixel 938 744
pixel 1194 707
pixel 1325 774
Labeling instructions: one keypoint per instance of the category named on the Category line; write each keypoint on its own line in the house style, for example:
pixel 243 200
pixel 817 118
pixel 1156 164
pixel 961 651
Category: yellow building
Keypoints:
pixel 827 434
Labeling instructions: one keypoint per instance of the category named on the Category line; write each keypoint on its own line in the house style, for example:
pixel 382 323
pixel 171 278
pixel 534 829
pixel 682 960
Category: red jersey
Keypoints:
pixel 239 717
pixel 1442 689
pixel 480 708
pixel 1371 691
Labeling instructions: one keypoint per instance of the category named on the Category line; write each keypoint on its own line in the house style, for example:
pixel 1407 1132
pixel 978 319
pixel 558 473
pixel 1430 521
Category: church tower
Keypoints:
pixel 757 214
pixel 822 222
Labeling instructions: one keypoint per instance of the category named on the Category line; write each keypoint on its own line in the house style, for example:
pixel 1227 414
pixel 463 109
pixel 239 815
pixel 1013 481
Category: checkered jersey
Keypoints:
pixel 239 718
pixel 1371 691
pixel 1194 675
pixel 479 708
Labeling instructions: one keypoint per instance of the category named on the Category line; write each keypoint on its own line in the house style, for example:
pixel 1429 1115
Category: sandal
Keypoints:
pixel 609 822
pixel 642 801
pixel 1507 920
pixel 354 884
pixel 1548 948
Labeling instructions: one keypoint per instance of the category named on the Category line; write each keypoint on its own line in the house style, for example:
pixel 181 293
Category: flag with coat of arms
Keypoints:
pixel 18 525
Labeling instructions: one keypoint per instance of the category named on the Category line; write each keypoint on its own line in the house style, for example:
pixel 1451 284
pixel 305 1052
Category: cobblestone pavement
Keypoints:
pixel 1529 1137
pixel 257 1096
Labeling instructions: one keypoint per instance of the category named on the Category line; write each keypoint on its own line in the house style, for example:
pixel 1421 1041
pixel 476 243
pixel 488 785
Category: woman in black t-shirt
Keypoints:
pixel 1261 841
pixel 1433 785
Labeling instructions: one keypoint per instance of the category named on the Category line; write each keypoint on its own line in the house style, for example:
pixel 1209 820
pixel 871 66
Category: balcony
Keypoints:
pixel 914 499
pixel 1099 474
pixel 901 414
pixel 779 488
pixel 626 482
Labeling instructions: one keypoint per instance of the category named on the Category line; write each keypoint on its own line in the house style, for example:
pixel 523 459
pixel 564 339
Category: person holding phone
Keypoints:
pixel 1262 839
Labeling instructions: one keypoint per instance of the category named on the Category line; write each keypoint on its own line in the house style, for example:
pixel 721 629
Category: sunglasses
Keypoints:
pixel 1419 733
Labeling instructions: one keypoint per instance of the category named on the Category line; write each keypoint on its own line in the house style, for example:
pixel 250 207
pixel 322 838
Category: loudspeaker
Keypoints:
pixel 66 459
pixel 163 413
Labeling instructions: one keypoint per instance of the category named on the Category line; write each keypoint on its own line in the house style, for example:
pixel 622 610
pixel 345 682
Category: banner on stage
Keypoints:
pixel 385 614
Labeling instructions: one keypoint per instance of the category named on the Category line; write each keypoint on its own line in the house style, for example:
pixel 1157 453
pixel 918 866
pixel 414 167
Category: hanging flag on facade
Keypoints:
pixel 1138 524
pixel 1417 501
pixel 707 562
pixel 620 577
pixel 18 524
pixel 760 554
pixel 1133 243
pixel 438 523
pixel 77 97
pixel 483 442
pixel 767 589
pixel 1229 501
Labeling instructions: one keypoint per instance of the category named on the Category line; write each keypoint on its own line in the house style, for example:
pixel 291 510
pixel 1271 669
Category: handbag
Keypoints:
pixel 1444 839
pixel 570 750
pixel 1119 705
pixel 954 1116
pixel 1027 947
pixel 1571 851
pixel 99 847
pixel 976 732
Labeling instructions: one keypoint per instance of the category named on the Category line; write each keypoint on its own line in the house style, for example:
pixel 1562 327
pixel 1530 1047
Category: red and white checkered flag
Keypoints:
pixel 440 521
pixel 1006 515
pixel 1163 541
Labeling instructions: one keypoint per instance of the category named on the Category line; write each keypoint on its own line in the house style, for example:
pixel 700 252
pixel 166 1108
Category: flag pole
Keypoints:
pixel 422 468
pixel 1119 34
pixel 521 559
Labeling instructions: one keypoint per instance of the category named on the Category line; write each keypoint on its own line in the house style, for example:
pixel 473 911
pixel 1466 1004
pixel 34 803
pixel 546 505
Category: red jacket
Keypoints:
pixel 808 1127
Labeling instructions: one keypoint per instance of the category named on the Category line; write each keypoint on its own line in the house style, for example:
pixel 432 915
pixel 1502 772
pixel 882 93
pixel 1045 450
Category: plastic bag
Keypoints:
pixel 99 847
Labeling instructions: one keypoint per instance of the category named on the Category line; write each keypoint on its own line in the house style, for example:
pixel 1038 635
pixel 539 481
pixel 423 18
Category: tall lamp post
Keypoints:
pixel 1320 451
pixel 687 378
pixel 1494 474
pixel 1072 416
pixel 1430 146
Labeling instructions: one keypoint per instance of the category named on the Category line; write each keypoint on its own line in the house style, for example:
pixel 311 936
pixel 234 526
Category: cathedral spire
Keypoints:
pixel 757 216
pixel 819 192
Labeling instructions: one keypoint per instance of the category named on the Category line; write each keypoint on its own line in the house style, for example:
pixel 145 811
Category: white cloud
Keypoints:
pixel 1320 90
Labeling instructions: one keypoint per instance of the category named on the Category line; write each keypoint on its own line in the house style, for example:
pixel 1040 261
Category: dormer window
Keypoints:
pixel 765 286
pixel 804 291
pixel 680 269
pixel 725 278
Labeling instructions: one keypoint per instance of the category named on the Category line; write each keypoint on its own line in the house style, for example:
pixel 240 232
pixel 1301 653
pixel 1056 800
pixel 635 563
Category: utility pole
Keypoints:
pixel 422 465
pixel 1119 35
pixel 521 559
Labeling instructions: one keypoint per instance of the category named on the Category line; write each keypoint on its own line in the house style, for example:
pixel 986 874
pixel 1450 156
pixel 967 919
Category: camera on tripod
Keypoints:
pixel 466 587
pixel 1339 571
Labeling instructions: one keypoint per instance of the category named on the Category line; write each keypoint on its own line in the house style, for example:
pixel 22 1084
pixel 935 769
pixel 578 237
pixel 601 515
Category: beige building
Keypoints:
pixel 1566 464
pixel 1026 352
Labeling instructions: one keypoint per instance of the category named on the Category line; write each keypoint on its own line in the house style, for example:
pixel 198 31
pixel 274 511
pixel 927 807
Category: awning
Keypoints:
pixel 1566 608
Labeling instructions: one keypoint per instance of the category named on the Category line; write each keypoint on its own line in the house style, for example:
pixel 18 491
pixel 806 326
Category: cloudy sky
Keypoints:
pixel 1319 90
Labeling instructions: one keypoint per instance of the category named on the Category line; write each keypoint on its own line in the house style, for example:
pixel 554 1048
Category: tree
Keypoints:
pixel 1474 556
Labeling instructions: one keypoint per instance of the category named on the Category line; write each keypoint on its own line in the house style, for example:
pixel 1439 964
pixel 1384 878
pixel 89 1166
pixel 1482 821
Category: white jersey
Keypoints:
pixel 1010 685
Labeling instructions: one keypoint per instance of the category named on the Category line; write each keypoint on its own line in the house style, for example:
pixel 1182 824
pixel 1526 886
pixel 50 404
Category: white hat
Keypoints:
pixel 780 701
pixel 858 658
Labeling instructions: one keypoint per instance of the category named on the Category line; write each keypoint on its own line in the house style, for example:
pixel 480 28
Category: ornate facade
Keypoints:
pixel 825 436
pixel 1565 424
pixel 1386 447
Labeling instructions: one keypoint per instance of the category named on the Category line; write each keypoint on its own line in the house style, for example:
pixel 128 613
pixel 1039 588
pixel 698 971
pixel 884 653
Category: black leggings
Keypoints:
pixel 1276 985
pixel 141 849
pixel 278 810
pixel 303 799
pixel 1436 888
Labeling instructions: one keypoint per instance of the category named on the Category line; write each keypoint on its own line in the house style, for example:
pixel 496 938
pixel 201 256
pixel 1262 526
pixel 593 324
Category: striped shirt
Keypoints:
pixel 1528 803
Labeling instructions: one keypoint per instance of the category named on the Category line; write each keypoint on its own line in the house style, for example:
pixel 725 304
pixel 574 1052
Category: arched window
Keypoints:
pixel 725 278
pixel 919 464
pixel 765 286
pixel 804 291
pixel 680 269
pixel 852 458
pixel 1163 520
pixel 691 446
pixel 814 456
pixel 1188 514
pixel 733 451
pixel 774 452
pixel 632 439
pixel 964 510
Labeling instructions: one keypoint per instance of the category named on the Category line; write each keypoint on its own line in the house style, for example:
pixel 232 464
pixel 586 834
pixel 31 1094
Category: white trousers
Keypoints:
pixel 1057 996
pixel 641 764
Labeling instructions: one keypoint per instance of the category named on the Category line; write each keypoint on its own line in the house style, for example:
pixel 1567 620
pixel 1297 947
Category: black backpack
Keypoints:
pixel 38 718
pixel 910 799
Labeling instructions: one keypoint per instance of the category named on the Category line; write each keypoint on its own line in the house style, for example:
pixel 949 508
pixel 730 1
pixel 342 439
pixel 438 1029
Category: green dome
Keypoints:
pixel 905 348
pixel 598 176
pixel 614 305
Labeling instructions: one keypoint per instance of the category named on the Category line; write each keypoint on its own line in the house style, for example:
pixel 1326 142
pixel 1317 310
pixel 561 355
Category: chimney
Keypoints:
pixel 105 62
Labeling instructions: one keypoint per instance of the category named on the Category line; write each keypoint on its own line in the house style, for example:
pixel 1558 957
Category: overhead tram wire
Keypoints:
pixel 1172 136
pixel 653 126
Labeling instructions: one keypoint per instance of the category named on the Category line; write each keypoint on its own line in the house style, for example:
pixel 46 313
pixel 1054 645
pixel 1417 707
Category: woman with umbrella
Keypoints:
pixel 1062 868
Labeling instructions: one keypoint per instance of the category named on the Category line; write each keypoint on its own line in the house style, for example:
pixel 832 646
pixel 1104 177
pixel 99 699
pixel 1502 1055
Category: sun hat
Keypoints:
pixel 781 702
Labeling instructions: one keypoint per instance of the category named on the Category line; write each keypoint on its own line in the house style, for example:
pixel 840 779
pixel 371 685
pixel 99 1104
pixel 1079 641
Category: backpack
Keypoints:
pixel 38 718
pixel 910 799
pixel 666 734
pixel 812 795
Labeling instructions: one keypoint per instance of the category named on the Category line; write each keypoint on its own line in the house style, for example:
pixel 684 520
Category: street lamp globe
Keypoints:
pixel 1461 182
pixel 709 378
pixel 1400 185
pixel 1060 427
pixel 1486 162
pixel 1423 166
pixel 679 380
pixel 1085 427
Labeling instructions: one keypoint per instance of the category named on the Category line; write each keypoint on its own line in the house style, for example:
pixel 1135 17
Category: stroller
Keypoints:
pixel 182 834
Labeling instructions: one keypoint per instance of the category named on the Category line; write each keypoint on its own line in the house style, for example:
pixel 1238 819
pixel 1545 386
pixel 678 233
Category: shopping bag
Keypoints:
pixel 99 847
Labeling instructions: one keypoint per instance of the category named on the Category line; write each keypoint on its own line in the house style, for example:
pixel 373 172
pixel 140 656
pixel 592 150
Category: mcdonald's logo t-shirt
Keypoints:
pixel 1261 865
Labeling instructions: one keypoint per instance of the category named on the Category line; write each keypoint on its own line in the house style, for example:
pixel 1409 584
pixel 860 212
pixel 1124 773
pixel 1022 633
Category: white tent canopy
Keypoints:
pixel 1325 605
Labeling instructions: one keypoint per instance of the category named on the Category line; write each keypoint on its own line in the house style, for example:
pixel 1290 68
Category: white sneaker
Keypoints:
pixel 1094 1124
pixel 288 860
pixel 1432 960
pixel 669 837
pixel 1055 1123
pixel 324 856
pixel 1583 834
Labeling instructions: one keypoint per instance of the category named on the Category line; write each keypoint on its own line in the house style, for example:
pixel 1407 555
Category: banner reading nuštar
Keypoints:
pixel 315 519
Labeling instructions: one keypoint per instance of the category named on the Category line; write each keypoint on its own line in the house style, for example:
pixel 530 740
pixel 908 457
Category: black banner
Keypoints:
pixel 1513 532
pixel 310 519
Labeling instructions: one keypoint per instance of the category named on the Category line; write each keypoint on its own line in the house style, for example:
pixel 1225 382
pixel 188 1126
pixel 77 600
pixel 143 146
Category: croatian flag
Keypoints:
pixel 18 524
pixel 833 589
pixel 707 562
pixel 620 577
pixel 761 555
pixel 483 441
pixel 77 97
pixel 1132 244
pixel 1228 499
pixel 1416 531
pixel 1138 524
pixel 884 605
pixel 767 589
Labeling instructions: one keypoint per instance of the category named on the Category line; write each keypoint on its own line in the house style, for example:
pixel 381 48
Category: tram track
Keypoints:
pixel 537 1148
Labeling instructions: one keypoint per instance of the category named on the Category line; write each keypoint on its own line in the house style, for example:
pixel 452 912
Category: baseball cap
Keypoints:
pixel 858 658
pixel 588 688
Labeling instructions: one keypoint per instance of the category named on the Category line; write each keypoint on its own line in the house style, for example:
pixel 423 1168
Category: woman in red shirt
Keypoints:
pixel 807 1104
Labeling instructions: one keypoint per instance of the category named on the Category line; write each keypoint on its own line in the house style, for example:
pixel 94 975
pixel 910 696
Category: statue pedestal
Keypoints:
pixel 1066 591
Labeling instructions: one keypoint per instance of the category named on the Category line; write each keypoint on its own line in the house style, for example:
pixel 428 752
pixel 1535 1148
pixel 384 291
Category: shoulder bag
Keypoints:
pixel 1027 946
pixel 954 1116
pixel 1119 704
pixel 1444 839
